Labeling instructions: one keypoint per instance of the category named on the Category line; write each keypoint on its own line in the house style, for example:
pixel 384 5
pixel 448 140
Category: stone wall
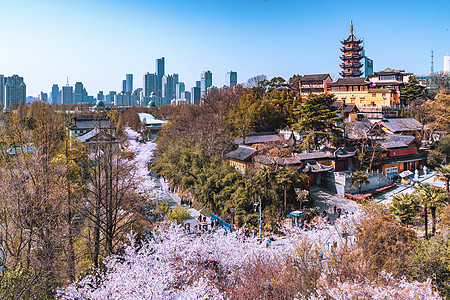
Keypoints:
pixel 342 182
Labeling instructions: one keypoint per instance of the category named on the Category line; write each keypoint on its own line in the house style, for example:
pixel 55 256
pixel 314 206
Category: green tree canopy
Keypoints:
pixel 411 91
pixel 316 117
pixel 360 177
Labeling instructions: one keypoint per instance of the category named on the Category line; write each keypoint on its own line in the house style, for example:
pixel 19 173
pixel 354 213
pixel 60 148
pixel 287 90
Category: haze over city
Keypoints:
pixel 98 42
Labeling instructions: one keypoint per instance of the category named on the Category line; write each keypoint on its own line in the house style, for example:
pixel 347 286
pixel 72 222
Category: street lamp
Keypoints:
pixel 259 204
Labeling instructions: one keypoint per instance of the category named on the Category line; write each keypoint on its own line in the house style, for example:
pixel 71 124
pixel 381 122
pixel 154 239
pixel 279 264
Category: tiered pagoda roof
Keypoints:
pixel 352 55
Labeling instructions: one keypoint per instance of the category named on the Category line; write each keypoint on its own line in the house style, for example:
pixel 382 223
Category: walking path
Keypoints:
pixel 327 200
pixel 154 187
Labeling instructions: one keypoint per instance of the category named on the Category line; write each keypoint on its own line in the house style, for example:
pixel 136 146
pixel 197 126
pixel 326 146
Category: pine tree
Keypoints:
pixel 316 117
pixel 411 91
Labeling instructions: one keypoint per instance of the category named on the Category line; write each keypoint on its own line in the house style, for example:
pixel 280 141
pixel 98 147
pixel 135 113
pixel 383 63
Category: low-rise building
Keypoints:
pixel 80 126
pixel 400 153
pixel 402 126
pixel 241 158
pixel 314 84
pixel 381 89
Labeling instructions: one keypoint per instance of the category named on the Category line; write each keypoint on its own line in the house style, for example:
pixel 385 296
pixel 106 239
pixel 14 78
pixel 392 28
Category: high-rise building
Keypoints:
pixel 67 94
pixel 446 64
pixel 195 95
pixel 368 64
pixel 175 82
pixel 15 92
pixel 160 72
pixel 124 86
pixel 110 97
pixel 186 96
pixel 150 84
pixel 180 89
pixel 351 58
pixel 56 96
pixel 129 85
pixel 206 82
pixel 167 89
pixel 136 99
pixel 100 97
pixel 198 84
pixel 78 93
pixel 43 97
pixel 231 78
pixel 2 90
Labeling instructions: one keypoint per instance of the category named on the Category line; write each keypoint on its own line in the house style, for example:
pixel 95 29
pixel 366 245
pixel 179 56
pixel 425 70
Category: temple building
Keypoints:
pixel 352 56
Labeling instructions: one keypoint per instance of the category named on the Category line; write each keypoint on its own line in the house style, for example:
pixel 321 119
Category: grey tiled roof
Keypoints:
pixel 256 139
pixel 402 124
pixel 313 166
pixel 242 153
pixel 283 161
pixel 89 124
pixel 397 141
pixel 312 155
pixel 350 81
pixel 314 77
pixel 404 158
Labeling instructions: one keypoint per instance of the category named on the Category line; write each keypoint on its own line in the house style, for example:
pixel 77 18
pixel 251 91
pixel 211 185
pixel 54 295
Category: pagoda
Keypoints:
pixel 352 55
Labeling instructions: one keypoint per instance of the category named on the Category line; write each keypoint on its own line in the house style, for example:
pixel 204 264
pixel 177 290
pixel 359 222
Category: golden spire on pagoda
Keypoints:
pixel 351 27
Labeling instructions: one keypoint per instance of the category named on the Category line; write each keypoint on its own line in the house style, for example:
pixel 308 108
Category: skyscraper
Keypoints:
pixel 180 88
pixel 160 69
pixel 195 95
pixel 231 78
pixel 129 85
pixel 100 97
pixel 206 82
pixel 15 92
pixel 43 97
pixel 67 94
pixel 2 89
pixel 175 82
pixel 150 84
pixel 198 84
pixel 446 64
pixel 124 86
pixel 56 96
pixel 167 89
pixel 186 96
pixel 368 64
pixel 110 97
pixel 78 93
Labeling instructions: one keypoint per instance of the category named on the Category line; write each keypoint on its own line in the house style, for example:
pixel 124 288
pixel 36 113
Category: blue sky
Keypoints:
pixel 98 42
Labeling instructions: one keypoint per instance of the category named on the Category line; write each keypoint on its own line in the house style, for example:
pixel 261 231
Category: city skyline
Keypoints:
pixel 96 41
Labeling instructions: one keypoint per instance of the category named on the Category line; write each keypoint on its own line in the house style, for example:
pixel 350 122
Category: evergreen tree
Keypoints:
pixel 360 177
pixel 411 91
pixel 316 117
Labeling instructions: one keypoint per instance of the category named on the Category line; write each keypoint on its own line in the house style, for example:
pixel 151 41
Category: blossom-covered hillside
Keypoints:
pixel 176 265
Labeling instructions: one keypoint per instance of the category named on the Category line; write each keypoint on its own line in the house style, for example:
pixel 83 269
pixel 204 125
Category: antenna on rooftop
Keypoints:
pixel 432 62
pixel 67 81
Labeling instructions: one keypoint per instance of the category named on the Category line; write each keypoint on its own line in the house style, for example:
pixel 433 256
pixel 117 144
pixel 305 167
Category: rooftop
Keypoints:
pixel 393 141
pixel 258 139
pixel 314 77
pixel 401 124
pixel 242 153
pixel 149 119
pixel 350 81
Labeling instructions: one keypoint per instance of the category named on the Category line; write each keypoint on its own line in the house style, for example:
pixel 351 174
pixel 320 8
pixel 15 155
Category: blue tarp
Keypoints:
pixel 222 223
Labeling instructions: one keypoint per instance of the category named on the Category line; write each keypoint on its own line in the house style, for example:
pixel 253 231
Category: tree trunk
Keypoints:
pixel 285 201
pixel 433 219
pixel 360 187
pixel 425 210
